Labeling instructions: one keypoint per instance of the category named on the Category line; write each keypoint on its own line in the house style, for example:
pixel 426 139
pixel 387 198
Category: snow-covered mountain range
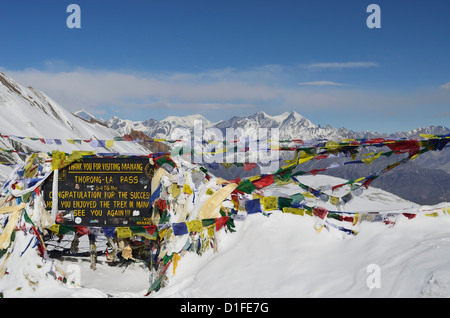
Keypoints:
pixel 290 124
pixel 423 181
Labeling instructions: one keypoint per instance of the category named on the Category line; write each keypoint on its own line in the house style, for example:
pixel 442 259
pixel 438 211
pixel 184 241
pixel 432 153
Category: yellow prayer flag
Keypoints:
pixel 270 203
pixel 334 200
pixel 194 226
pixel 304 157
pixel 332 146
pixel 175 259
pixel 282 183
pixel 319 228
pixel 254 178
pixel 82 153
pixel 296 211
pixel 54 228
pixel 370 160
pixel 57 159
pixel 187 189
pixel 209 191
pixel 355 218
pixel 308 195
pixel 109 143
pixel 175 190
pixel 162 233
pixel 428 136
pixel 289 165
pixel 123 232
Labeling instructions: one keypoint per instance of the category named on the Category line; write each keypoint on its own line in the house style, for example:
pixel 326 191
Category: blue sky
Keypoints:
pixel 151 59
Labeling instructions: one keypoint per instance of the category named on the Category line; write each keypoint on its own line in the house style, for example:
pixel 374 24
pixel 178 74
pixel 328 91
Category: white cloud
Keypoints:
pixel 445 86
pixel 90 89
pixel 322 83
pixel 339 65
pixel 265 88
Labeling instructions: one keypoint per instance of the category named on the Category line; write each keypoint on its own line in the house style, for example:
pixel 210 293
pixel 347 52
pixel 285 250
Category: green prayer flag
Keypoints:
pixel 165 218
pixel 297 197
pixel 284 202
pixel 208 222
pixel 303 186
pixel 335 216
pixel 137 229
pixel 246 186
pixel 65 229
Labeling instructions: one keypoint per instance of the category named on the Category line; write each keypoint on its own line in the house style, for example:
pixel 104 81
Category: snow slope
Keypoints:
pixel 26 112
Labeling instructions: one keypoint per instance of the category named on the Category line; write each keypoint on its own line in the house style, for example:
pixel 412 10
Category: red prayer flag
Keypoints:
pixel 321 156
pixel 150 229
pixel 401 146
pixel 82 230
pixel 347 218
pixel 221 222
pixel 376 141
pixel 320 212
pixel 264 181
pixel 367 183
pixel 409 215
pixel 161 204
pixel 337 186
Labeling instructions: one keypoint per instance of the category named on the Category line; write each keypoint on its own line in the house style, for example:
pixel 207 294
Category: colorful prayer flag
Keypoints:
pixel 253 206
pixel 270 203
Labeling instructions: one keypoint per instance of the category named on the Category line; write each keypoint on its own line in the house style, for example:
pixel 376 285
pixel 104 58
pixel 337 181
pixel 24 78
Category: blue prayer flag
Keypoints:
pixel 253 206
pixel 180 228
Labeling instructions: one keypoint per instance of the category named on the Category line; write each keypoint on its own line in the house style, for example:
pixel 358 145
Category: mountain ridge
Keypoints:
pixel 291 124
pixel 33 122
pixel 423 181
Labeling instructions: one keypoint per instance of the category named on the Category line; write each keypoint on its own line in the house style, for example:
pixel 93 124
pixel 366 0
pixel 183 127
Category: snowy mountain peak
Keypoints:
pixel 27 112
pixel 23 108
pixel 187 121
